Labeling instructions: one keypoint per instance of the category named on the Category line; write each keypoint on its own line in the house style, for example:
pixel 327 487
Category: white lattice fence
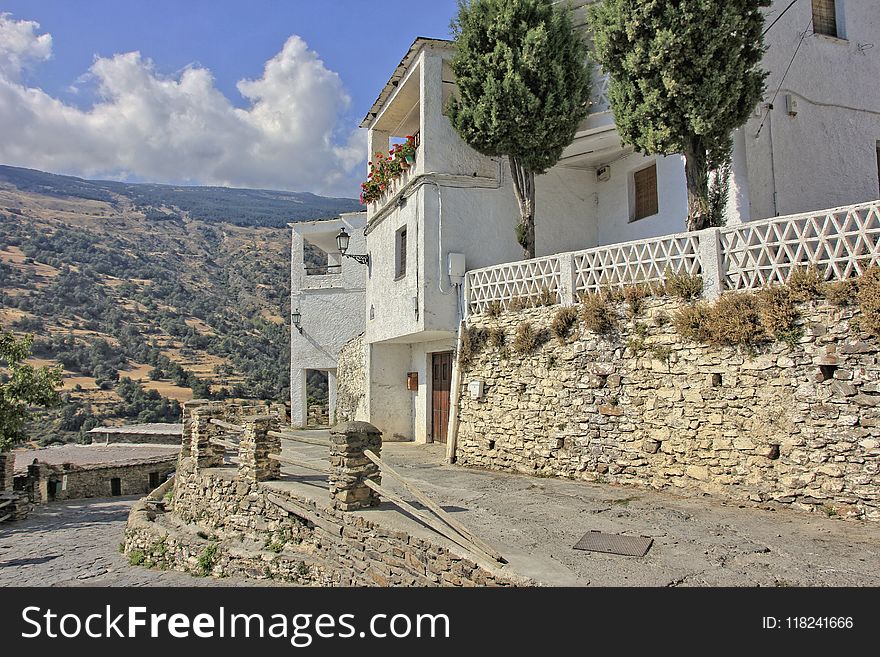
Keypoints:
pixel 599 102
pixel 643 261
pixel 842 242
pixel 527 281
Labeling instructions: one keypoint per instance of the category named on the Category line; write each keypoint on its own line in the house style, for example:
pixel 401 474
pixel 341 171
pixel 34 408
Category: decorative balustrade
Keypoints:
pixel 629 263
pixel 526 281
pixel 599 102
pixel 842 242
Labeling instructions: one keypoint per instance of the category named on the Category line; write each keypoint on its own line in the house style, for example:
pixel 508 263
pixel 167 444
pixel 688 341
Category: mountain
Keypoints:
pixel 241 207
pixel 148 295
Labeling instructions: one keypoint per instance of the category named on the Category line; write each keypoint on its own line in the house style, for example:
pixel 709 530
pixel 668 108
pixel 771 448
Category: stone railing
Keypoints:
pixel 599 102
pixel 841 242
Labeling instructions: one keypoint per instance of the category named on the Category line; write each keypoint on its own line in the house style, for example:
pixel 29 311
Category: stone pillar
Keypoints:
pixel 349 468
pixel 7 471
pixel 38 481
pixel 198 429
pixel 711 262
pixel 255 447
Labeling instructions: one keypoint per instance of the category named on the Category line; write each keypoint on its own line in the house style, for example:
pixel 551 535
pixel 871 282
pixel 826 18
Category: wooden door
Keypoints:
pixel 441 382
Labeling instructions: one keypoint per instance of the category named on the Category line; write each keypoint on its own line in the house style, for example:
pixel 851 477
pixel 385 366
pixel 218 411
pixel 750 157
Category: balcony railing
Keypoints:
pixel 841 242
pixel 323 270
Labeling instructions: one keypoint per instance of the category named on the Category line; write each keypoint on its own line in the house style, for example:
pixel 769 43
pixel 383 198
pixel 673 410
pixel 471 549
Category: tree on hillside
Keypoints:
pixel 523 87
pixel 22 386
pixel 684 76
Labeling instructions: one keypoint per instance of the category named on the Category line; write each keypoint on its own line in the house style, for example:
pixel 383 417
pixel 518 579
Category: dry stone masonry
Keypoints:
pixel 228 520
pixel 256 446
pixel 350 467
pixel 769 424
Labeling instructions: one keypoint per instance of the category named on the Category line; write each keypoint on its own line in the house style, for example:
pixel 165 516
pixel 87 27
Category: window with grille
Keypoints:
pixel 400 259
pixel 825 17
pixel 645 201
pixel 878 167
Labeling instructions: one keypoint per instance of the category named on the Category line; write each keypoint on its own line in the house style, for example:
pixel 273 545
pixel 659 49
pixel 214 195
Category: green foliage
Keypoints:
pixel 684 75
pixel 136 558
pixel 207 559
pixel 22 386
pixel 523 84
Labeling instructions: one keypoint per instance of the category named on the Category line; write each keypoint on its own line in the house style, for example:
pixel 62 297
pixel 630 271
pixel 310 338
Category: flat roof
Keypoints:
pixel 92 456
pixel 398 74
pixel 154 428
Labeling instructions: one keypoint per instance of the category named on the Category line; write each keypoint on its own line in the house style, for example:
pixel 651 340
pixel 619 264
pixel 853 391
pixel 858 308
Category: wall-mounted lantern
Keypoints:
pixel 296 319
pixel 342 241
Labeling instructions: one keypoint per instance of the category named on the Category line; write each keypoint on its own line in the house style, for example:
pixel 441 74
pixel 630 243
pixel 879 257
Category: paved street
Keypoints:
pixel 76 543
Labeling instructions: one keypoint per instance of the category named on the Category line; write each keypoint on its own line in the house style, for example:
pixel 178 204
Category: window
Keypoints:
pixel 116 486
pixel 400 258
pixel 825 17
pixel 878 166
pixel 644 187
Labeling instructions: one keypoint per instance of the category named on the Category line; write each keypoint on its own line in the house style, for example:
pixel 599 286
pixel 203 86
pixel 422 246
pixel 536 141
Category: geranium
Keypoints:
pixel 385 168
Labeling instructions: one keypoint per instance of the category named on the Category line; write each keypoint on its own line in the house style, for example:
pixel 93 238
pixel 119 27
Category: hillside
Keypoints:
pixel 148 295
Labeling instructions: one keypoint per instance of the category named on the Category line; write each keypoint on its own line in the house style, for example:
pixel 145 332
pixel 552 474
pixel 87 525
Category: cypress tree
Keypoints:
pixel 523 87
pixel 684 75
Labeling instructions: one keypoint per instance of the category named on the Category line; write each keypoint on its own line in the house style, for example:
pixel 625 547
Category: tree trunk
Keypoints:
pixel 696 171
pixel 524 188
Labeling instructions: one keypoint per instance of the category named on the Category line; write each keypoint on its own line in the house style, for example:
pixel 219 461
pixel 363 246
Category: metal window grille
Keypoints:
pixel 825 17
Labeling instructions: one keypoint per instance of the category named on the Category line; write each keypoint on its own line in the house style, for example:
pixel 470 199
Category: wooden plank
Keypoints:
pixel 476 553
pixel 327 525
pixel 300 439
pixel 226 425
pixel 428 502
pixel 308 465
pixel 5 504
pixel 8 515
pixel 224 443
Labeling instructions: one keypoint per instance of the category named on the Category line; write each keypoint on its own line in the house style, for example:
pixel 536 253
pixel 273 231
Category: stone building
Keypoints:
pixel 154 433
pixel 79 471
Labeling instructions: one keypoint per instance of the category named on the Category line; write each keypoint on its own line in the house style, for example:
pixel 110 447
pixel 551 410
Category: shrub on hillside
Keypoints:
pixel 596 313
pixel 564 322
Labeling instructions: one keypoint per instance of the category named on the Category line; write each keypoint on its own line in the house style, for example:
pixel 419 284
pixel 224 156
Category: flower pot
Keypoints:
pixel 410 159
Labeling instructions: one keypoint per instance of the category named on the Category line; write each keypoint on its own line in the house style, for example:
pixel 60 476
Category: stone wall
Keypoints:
pixel 351 381
pixel 45 482
pixel 220 525
pixel 764 424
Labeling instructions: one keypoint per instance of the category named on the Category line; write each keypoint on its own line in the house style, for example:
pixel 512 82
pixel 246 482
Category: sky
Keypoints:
pixel 264 93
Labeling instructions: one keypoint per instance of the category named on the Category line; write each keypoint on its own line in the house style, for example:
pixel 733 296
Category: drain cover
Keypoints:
pixel 627 546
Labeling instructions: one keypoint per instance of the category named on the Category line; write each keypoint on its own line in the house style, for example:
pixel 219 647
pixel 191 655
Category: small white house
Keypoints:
pixel 812 143
pixel 326 303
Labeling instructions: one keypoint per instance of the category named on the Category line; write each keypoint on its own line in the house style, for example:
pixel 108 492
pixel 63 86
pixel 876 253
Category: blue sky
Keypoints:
pixel 78 71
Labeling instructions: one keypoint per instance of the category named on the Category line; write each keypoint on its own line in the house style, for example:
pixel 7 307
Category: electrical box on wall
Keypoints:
pixel 456 264
pixel 475 389
pixel 412 381
pixel 791 104
pixel 603 174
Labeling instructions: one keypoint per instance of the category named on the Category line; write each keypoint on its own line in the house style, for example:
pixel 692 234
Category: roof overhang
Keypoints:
pixel 418 45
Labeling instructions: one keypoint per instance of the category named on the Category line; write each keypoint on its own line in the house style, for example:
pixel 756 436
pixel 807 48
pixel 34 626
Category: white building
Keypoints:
pixel 455 209
pixel 327 301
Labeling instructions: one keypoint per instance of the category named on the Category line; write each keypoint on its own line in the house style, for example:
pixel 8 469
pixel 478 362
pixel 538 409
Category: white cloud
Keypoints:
pixel 181 128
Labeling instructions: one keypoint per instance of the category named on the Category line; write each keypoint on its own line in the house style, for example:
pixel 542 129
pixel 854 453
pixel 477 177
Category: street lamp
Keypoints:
pixel 296 318
pixel 342 242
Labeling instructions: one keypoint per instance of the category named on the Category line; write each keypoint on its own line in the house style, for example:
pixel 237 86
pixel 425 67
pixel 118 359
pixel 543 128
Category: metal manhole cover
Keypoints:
pixel 627 546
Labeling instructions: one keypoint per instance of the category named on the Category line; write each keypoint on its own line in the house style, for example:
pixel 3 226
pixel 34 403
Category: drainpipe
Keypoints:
pixel 455 394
